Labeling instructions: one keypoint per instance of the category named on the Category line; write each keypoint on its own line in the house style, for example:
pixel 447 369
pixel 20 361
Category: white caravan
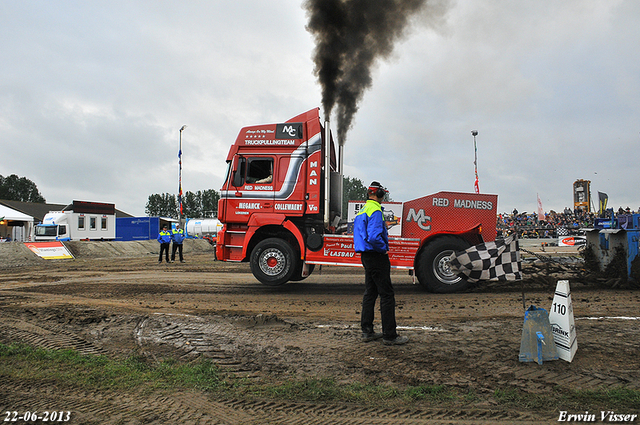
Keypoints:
pixel 80 221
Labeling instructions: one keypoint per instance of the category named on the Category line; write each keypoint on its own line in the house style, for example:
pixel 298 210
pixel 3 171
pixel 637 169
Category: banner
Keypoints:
pixel 602 198
pixel 49 250
pixel 572 240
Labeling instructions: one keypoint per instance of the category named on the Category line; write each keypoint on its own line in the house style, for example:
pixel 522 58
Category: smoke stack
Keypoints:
pixel 327 173
pixel 351 35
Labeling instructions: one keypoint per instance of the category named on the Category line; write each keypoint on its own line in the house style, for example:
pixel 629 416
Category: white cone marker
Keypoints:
pixel 562 323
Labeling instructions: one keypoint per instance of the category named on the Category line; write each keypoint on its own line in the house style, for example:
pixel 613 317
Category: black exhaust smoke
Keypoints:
pixel 350 36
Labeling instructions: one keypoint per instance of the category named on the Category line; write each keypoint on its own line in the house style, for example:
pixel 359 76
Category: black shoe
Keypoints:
pixel 370 336
pixel 398 340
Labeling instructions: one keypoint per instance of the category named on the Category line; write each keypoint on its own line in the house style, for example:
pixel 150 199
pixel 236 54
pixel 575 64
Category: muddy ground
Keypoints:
pixel 124 305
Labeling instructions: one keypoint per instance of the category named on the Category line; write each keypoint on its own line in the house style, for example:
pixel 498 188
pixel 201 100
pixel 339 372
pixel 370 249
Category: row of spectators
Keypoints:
pixel 528 225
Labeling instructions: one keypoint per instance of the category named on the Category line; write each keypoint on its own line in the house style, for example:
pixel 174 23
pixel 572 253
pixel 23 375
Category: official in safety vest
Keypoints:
pixel 164 237
pixel 371 240
pixel 177 236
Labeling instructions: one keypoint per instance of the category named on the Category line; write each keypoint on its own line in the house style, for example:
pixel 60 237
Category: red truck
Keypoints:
pixel 281 210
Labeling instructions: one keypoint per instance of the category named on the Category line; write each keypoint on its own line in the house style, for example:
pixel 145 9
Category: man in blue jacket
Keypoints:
pixel 371 240
pixel 177 236
pixel 164 237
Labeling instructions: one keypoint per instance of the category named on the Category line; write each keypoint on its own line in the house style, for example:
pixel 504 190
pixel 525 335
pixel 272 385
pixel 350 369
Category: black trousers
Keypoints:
pixel 176 246
pixel 164 247
pixel 377 282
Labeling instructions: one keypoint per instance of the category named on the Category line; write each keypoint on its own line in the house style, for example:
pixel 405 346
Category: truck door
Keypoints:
pixel 260 182
pixel 251 187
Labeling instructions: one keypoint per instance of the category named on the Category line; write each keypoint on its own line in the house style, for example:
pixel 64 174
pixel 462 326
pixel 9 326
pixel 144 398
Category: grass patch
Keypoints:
pixel 92 371
pixel 69 368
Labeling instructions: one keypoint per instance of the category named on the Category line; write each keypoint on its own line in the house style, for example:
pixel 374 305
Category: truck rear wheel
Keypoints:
pixel 273 261
pixel 433 268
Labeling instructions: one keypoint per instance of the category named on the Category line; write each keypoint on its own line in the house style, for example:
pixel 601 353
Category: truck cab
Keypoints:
pixel 277 187
pixel 54 227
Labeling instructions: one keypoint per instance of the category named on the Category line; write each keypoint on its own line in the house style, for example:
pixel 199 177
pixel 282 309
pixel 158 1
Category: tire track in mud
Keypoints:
pixel 247 346
pixel 308 413
pixel 88 408
pixel 233 341
pixel 50 336
pixel 239 344
pixel 106 407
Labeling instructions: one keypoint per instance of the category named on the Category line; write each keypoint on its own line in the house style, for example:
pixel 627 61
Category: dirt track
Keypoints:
pixel 118 306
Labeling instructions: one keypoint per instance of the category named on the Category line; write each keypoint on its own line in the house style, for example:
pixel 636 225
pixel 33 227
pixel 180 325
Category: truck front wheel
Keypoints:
pixel 273 261
pixel 432 267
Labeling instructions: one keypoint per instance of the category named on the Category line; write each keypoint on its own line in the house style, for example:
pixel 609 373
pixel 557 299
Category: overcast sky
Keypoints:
pixel 93 94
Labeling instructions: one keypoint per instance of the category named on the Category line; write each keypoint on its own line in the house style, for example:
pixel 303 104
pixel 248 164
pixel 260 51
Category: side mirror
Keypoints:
pixel 238 172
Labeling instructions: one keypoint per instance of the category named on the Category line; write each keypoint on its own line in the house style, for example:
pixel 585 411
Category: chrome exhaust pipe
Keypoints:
pixel 327 174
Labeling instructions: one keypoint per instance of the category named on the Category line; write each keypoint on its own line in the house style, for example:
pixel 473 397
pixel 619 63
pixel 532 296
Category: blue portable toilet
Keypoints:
pixel 607 238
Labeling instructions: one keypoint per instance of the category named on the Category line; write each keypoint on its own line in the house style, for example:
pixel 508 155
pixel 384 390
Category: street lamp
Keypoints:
pixel 180 177
pixel 476 186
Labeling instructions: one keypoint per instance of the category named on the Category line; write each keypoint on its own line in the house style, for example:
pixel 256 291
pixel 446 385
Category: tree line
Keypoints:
pixel 200 204
pixel 14 188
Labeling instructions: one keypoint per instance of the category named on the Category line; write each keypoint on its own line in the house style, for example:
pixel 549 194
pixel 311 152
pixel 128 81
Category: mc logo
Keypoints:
pixel 290 130
pixel 419 218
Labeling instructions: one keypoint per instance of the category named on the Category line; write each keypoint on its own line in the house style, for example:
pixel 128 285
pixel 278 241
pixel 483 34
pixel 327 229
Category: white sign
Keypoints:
pixel 49 250
pixel 392 212
pixel 572 240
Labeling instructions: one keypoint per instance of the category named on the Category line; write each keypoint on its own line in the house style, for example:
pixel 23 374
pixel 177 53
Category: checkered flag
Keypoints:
pixel 499 260
pixel 563 231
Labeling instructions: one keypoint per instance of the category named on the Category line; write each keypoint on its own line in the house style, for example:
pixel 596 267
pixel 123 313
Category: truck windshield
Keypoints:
pixel 46 231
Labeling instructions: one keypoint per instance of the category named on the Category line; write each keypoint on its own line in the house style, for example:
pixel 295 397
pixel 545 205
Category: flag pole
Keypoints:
pixel 180 177
pixel 476 185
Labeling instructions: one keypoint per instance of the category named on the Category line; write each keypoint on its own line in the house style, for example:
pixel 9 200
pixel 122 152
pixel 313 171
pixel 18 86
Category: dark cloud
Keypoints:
pixel 351 35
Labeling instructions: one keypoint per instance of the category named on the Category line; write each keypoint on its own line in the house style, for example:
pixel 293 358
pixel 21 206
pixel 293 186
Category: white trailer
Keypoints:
pixel 80 221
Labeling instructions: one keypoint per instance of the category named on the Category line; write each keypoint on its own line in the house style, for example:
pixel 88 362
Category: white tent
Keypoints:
pixel 15 224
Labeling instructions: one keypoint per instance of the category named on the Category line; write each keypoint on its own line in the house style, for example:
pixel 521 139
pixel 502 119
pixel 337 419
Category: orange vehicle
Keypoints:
pixel 281 207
